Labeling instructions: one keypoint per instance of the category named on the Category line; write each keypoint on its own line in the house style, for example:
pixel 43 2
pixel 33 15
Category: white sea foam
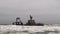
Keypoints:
pixel 31 29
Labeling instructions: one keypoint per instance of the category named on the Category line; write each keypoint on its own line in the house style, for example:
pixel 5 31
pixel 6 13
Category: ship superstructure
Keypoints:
pixel 30 22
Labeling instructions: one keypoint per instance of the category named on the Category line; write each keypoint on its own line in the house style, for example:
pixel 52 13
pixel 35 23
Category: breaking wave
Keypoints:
pixel 15 29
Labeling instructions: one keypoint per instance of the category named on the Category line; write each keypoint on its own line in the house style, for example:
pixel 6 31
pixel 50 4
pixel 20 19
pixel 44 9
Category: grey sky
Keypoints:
pixel 45 11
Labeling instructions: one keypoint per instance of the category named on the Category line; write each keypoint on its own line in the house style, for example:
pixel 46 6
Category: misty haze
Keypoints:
pixel 29 16
pixel 43 11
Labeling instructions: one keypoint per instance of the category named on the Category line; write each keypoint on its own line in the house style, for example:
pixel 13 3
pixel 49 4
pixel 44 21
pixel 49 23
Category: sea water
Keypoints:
pixel 15 29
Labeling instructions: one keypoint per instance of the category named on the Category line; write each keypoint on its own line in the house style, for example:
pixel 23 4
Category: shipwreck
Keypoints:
pixel 30 22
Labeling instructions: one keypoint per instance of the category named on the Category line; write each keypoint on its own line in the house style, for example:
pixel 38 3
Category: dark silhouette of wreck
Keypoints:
pixel 30 22
pixel 18 22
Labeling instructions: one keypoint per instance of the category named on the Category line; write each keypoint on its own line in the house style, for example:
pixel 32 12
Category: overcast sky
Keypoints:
pixel 44 11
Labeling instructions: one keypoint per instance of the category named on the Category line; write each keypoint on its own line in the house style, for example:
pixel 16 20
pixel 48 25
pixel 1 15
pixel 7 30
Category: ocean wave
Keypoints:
pixel 13 29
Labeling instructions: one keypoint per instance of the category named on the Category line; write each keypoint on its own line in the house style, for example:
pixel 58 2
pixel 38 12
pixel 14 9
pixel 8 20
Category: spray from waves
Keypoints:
pixel 13 29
